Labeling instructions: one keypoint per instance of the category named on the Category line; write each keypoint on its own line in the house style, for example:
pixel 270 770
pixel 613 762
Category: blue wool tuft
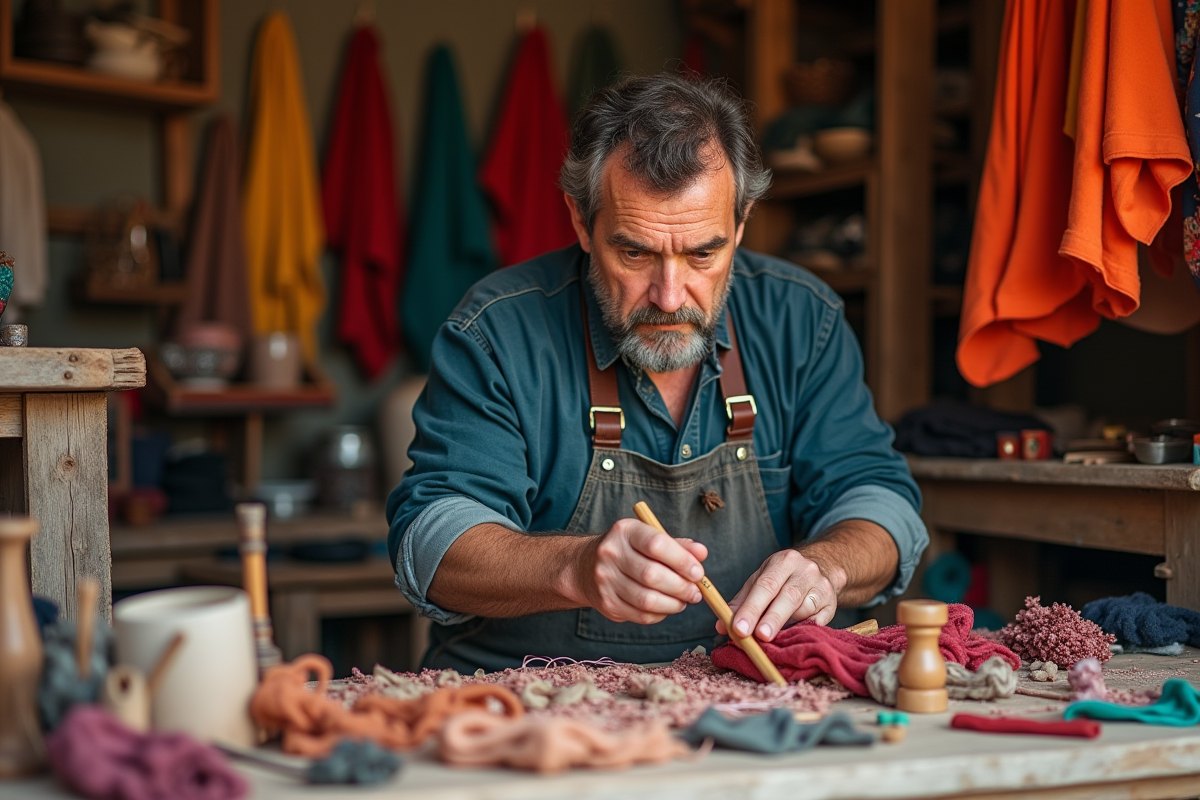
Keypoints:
pixel 61 687
pixel 1142 621
pixel 355 762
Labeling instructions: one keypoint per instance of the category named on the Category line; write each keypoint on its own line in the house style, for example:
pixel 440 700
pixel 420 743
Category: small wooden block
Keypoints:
pixel 893 734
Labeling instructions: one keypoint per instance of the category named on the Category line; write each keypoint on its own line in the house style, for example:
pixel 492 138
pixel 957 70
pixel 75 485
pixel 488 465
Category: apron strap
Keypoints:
pixel 739 404
pixel 606 419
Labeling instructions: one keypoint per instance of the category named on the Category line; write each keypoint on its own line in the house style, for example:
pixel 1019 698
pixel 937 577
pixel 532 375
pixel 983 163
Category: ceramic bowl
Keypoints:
pixel 201 367
pixel 842 145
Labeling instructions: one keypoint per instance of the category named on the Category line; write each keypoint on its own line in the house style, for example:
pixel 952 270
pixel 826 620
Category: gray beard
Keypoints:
pixel 659 351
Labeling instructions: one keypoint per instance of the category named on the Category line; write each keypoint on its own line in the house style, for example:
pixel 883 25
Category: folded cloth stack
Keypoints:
pixel 807 650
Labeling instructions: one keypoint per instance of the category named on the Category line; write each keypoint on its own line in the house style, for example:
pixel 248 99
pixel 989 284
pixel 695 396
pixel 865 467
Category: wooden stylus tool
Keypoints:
pixel 749 644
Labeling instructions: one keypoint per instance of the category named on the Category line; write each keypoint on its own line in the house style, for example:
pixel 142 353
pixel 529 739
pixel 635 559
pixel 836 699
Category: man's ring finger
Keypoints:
pixel 812 598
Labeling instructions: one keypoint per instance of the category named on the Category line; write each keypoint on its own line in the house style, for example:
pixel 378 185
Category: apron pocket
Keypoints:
pixel 693 624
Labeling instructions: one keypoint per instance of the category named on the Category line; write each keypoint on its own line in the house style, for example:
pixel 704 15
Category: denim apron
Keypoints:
pixel 717 499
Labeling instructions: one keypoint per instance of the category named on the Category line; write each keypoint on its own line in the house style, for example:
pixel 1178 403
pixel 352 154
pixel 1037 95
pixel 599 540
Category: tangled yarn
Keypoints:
pixel 806 650
pixel 1057 634
pixel 1142 621
pixel 313 723
pixel 477 739
pixel 994 679
pixel 100 758
pixel 61 687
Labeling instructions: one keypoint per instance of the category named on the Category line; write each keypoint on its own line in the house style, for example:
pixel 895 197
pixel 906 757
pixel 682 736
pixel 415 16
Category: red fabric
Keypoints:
pixel 1084 728
pixel 520 171
pixel 806 650
pixel 362 211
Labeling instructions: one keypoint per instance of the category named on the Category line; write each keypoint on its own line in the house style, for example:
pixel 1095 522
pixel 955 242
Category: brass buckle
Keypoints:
pixel 741 398
pixel 610 409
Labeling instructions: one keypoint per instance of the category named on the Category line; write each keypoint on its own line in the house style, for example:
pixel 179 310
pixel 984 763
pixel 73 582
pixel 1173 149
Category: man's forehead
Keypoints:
pixel 630 201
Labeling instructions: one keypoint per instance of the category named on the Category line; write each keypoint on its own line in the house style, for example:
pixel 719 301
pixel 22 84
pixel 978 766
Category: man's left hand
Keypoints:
pixel 788 587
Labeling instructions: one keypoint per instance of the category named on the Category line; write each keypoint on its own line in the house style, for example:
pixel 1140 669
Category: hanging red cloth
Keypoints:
pixel 362 210
pixel 520 169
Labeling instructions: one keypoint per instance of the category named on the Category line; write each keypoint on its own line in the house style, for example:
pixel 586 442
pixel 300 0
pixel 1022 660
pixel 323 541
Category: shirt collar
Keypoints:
pixel 602 341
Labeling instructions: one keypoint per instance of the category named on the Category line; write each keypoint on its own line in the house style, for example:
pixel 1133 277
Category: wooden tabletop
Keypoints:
pixel 1176 477
pixel 933 761
pixel 70 369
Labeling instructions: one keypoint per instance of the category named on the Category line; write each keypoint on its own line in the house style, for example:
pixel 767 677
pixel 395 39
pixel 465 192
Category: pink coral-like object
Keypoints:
pixel 1057 634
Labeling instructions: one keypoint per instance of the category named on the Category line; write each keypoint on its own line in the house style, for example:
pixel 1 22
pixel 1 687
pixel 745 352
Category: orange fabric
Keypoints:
pixel 1056 230
pixel 1128 122
pixel 1015 272
pixel 313 724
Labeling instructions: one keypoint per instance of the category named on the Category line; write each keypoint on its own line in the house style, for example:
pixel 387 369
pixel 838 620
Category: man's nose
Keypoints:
pixel 669 291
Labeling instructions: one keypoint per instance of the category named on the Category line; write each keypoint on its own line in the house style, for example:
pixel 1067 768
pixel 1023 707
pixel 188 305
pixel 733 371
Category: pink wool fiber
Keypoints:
pixel 99 758
pixel 1057 634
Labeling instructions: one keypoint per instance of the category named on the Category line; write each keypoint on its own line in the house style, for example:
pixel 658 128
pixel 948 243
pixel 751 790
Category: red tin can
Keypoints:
pixel 1036 445
pixel 1008 446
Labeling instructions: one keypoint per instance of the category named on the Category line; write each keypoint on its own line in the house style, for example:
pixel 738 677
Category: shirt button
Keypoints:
pixel 607 464
pixel 686 451
pixel 741 454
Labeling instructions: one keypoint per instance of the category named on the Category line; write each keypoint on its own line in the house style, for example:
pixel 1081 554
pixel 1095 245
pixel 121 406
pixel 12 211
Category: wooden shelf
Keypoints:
pixel 237 398
pixel 22 75
pixel 154 294
pixel 63 81
pixel 793 184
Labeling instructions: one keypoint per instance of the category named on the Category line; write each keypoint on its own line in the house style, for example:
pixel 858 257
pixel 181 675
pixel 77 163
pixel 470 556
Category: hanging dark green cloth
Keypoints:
pixel 450 246
pixel 594 65
pixel 774 732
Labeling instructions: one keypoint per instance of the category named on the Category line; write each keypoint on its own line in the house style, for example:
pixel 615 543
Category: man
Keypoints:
pixel 652 362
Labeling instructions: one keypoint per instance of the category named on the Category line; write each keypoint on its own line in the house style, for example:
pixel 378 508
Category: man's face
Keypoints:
pixel 660 264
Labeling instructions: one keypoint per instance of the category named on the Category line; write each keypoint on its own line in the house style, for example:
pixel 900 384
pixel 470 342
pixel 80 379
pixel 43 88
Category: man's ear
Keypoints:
pixel 577 221
pixel 741 228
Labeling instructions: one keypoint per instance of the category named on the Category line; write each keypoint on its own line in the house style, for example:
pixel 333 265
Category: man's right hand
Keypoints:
pixel 634 573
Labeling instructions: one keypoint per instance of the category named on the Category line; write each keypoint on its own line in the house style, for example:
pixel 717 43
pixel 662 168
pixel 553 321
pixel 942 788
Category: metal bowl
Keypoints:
pixel 1162 450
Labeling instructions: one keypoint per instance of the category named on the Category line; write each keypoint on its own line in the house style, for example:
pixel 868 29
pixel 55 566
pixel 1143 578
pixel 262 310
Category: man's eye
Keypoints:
pixel 633 254
pixel 702 256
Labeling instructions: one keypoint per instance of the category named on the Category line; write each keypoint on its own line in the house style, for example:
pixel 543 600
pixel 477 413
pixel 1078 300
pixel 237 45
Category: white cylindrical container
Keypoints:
pixel 207 688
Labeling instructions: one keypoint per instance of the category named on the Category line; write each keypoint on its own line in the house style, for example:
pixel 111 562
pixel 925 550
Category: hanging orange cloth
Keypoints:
pixel 1130 148
pixel 520 170
pixel 280 201
pixel 1056 231
pixel 1015 272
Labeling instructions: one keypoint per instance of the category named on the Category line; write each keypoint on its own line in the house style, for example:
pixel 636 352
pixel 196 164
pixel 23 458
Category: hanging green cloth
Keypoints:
pixel 450 247
pixel 594 65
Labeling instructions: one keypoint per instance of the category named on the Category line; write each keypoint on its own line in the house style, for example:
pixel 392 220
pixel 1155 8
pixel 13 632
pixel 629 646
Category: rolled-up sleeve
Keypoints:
pixel 843 463
pixel 469 464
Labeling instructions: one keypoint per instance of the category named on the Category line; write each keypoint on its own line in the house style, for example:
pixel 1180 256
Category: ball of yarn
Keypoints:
pixel 61 687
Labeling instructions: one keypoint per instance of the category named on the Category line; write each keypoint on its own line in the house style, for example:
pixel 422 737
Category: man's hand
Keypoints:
pixel 788 587
pixel 634 573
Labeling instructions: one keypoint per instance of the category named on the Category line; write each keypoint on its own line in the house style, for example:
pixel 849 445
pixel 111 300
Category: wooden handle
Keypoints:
pixel 717 603
pixel 164 663
pixel 85 624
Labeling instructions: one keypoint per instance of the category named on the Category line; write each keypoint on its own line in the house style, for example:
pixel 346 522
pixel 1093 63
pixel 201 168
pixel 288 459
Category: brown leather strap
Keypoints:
pixel 739 404
pixel 605 416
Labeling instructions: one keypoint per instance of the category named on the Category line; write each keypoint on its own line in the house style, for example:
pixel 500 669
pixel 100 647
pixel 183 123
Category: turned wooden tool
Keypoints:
pixel 717 603
pixel 252 532
pixel 922 671
pixel 21 748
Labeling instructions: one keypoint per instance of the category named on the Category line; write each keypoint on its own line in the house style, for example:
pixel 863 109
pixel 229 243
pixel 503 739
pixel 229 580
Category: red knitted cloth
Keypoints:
pixel 806 650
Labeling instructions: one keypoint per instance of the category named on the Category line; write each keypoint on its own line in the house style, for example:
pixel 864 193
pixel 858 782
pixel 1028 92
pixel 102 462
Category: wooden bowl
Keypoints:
pixel 842 145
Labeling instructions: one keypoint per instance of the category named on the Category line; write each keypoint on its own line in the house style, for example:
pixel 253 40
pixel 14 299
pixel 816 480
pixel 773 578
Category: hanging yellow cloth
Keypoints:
pixel 281 204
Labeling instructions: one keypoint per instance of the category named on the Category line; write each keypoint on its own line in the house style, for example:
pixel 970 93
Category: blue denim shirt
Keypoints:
pixel 502 426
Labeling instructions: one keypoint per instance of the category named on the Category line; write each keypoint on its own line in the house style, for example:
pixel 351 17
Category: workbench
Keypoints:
pixel 54 459
pixel 1130 508
pixel 1129 760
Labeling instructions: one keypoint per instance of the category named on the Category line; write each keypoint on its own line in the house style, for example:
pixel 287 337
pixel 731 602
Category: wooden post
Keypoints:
pixel 66 469
pixel 904 83
pixel 1182 524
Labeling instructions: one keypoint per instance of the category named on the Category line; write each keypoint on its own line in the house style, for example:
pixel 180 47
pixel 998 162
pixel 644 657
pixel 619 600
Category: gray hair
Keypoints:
pixel 669 122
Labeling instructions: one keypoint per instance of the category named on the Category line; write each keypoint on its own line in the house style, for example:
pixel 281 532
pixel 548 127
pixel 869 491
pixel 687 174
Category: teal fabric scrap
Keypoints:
pixel 1179 706
pixel 774 732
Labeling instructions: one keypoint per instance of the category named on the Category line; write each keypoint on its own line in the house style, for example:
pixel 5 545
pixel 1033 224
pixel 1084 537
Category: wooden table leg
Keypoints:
pixel 1182 541
pixel 297 622
pixel 66 482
